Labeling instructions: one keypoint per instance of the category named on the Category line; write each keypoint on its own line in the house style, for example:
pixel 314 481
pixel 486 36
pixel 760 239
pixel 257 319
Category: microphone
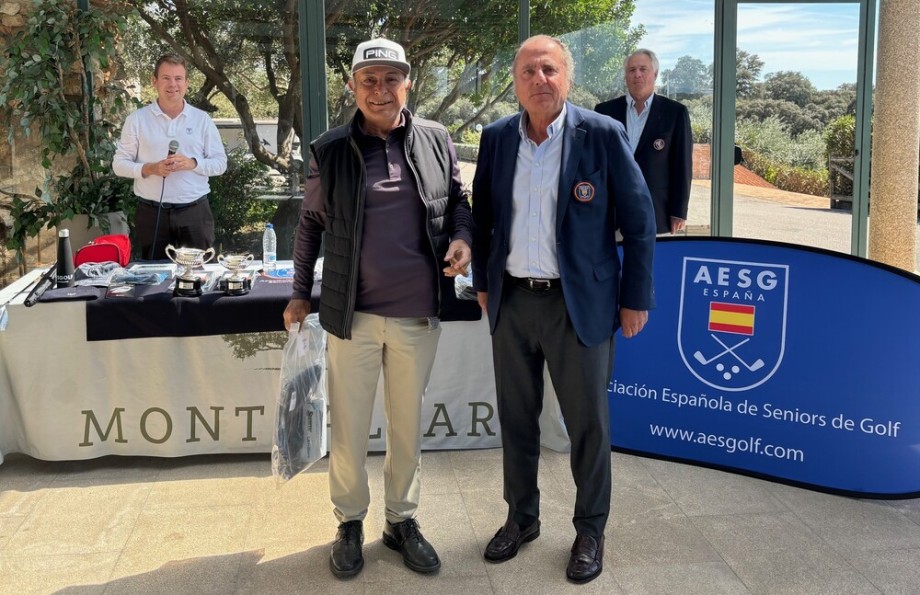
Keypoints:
pixel 173 149
pixel 45 282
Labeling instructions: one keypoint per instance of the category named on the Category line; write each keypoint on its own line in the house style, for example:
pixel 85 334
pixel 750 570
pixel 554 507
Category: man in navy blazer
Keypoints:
pixel 552 186
pixel 659 134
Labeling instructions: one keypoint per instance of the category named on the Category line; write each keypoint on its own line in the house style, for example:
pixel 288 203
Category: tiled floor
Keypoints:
pixel 219 525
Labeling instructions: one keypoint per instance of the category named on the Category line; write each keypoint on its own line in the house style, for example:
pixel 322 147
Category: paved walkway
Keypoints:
pixel 217 524
pixel 770 214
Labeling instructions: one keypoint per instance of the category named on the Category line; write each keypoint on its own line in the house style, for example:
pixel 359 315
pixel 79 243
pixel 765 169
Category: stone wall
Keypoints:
pixel 15 164
pixel 20 165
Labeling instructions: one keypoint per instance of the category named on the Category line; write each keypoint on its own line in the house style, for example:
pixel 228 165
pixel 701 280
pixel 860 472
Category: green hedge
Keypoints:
pixel 239 215
pixel 786 177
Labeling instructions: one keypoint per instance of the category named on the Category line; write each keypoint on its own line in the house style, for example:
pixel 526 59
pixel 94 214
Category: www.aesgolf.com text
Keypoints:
pixel 730 444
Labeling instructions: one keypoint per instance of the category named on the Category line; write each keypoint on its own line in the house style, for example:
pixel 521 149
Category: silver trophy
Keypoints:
pixel 188 284
pixel 236 283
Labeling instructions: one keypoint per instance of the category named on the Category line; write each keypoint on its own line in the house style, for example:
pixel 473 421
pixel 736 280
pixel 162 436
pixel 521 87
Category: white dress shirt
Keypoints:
pixel 532 249
pixel 145 138
pixel 635 122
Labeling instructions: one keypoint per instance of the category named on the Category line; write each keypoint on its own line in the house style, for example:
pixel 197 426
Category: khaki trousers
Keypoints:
pixel 405 349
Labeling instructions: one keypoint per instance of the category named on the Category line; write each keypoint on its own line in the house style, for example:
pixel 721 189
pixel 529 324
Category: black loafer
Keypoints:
pixel 405 538
pixel 346 559
pixel 509 539
pixel 587 559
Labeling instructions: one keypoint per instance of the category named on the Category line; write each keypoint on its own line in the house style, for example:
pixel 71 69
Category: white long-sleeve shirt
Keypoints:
pixel 145 138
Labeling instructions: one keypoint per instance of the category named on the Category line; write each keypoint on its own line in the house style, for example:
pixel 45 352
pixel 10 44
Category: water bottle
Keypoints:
pixel 269 248
pixel 64 272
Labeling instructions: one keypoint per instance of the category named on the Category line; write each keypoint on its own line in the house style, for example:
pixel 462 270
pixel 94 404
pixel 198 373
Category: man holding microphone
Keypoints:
pixel 170 149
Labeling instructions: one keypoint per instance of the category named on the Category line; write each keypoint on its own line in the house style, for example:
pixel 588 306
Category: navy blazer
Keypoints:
pixel 600 189
pixel 664 154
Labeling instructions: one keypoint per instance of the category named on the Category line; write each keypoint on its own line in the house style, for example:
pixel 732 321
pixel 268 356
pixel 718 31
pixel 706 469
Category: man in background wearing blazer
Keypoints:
pixel 660 137
pixel 552 186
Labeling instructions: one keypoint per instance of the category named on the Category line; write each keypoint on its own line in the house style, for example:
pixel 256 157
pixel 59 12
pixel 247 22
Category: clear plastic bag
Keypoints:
pixel 299 439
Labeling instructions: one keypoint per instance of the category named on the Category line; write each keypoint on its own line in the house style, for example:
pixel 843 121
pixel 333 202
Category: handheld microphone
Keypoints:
pixel 45 282
pixel 173 149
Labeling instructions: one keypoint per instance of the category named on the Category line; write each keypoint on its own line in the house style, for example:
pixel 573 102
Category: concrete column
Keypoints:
pixel 896 137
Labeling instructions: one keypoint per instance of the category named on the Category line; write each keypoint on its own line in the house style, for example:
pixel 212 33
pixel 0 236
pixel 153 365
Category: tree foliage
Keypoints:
pixel 599 51
pixel 227 40
pixel 793 87
pixel 465 47
pixel 748 67
pixel 689 78
pixel 50 65
pixel 795 119
pixel 246 49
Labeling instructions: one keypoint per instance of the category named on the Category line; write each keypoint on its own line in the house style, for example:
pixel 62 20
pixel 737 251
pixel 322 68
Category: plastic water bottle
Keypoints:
pixel 64 271
pixel 269 248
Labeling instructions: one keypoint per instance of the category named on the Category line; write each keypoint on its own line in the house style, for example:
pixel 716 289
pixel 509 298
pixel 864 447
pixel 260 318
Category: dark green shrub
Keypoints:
pixel 787 177
pixel 238 212
pixel 840 143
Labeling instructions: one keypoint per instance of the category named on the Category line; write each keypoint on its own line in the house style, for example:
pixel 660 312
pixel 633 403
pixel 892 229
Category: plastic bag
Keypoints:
pixel 463 287
pixel 299 438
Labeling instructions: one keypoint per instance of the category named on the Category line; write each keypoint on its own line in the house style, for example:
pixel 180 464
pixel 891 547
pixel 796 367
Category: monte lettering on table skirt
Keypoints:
pixel 158 375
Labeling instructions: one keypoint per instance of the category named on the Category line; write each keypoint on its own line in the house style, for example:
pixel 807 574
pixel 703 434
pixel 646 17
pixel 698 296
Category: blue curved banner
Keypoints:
pixel 784 361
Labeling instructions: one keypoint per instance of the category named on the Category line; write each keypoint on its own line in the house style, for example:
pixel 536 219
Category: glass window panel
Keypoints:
pixel 681 33
pixel 245 71
pixel 795 120
pixel 460 53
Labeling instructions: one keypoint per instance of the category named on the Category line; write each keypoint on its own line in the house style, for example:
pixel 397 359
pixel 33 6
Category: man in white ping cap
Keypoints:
pixel 384 194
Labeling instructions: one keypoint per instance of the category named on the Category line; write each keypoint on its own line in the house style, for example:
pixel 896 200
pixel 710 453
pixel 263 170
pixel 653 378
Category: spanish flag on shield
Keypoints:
pixel 731 318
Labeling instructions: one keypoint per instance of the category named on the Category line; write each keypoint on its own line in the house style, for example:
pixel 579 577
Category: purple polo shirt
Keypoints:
pixel 397 275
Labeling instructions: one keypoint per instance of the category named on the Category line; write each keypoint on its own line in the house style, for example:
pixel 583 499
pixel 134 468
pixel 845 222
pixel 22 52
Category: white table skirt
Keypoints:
pixel 64 398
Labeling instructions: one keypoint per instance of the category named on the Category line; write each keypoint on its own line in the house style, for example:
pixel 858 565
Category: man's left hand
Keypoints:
pixel 632 321
pixel 458 256
pixel 180 162
pixel 677 224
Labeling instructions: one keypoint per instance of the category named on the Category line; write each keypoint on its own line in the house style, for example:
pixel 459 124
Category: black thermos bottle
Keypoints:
pixel 64 277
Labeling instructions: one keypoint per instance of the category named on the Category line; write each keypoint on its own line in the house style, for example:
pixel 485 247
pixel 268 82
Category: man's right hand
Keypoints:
pixel 160 168
pixel 483 298
pixel 296 311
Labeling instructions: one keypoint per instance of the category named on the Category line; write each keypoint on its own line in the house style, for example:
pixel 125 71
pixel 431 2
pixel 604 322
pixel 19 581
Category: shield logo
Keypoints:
pixel 731 329
pixel 584 191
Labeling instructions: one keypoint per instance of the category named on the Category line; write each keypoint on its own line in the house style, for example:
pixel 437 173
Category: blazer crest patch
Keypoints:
pixel 584 192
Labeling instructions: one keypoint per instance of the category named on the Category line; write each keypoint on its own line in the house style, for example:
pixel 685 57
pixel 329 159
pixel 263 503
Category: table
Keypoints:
pixel 64 397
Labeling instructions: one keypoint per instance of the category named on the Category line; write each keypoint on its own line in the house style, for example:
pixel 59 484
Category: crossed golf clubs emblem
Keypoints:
pixel 728 371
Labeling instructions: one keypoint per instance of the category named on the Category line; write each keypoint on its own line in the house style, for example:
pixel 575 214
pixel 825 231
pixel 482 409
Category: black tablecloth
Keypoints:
pixel 154 312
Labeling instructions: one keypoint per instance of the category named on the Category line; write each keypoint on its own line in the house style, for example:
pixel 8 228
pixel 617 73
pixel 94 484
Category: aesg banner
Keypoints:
pixel 785 361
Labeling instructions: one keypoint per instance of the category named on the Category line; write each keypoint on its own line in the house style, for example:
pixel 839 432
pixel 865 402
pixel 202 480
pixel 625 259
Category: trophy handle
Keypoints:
pixel 248 258
pixel 169 248
pixel 221 260
pixel 208 255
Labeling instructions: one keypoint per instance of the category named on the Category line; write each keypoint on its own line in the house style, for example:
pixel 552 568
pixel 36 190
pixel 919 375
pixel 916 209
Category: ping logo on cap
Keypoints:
pixel 378 53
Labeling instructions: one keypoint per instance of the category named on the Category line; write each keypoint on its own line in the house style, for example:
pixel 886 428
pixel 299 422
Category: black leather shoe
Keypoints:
pixel 509 539
pixel 587 559
pixel 406 539
pixel 346 559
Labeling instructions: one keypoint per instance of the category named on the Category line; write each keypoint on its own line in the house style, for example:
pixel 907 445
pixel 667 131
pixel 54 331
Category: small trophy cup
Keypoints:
pixel 236 283
pixel 187 283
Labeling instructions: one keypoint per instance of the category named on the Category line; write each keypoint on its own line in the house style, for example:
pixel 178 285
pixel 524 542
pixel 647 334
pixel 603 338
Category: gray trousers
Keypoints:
pixel 534 328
